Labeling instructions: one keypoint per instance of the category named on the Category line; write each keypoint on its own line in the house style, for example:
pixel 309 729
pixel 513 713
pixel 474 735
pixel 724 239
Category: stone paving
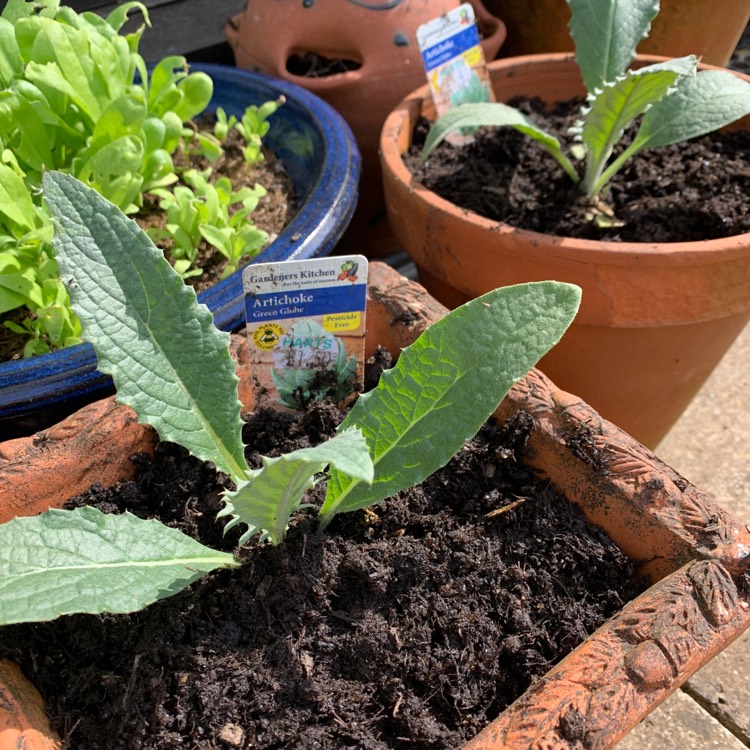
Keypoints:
pixel 710 445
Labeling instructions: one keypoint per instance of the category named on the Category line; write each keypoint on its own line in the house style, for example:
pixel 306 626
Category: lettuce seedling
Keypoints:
pixel 210 211
pixel 71 101
pixel 675 102
pixel 173 367
pixel 253 126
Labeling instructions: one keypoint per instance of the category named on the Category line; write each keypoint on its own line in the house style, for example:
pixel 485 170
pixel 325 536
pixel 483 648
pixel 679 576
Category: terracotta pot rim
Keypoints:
pixel 704 252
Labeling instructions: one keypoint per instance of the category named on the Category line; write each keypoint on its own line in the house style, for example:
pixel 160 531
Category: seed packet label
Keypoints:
pixel 306 330
pixel 454 62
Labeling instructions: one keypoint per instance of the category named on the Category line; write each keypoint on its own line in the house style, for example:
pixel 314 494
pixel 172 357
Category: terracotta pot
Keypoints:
pixel 655 318
pixel 381 38
pixel 325 173
pixel 683 27
pixel 23 724
pixel 689 548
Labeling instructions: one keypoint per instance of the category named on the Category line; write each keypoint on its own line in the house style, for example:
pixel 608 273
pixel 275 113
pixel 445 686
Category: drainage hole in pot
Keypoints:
pixel 314 65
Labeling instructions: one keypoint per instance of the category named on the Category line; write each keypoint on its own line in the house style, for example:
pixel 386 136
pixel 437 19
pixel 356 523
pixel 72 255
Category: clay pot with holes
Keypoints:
pixel 692 552
pixel 360 57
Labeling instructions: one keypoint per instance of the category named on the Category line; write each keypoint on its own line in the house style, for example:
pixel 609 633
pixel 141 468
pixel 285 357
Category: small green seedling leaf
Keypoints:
pixel 606 33
pixel 267 500
pixel 15 200
pixel 64 562
pixel 447 384
pixel 146 326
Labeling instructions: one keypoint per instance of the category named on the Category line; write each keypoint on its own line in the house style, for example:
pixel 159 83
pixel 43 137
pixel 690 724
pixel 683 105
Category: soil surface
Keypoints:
pixel 408 625
pixel 698 190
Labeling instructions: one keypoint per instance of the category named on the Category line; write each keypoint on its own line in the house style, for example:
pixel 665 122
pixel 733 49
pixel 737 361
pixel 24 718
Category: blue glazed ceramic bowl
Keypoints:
pixel 321 157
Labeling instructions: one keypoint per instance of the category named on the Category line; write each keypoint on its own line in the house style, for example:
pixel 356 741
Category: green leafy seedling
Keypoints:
pixel 673 100
pixel 173 367
pixel 210 211
pixel 254 125
pixel 71 102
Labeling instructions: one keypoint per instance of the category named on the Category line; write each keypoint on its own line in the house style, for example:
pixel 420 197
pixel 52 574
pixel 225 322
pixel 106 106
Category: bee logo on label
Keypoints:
pixel 267 336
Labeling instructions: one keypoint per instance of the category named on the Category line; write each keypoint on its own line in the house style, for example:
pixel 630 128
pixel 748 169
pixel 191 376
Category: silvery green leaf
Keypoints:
pixel 266 501
pixel 494 114
pixel 616 105
pixel 447 384
pixel 606 33
pixel 700 105
pixel 146 326
pixel 63 562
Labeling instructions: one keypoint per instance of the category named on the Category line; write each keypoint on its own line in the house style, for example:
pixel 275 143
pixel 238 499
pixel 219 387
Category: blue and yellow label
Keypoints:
pixel 454 63
pixel 305 317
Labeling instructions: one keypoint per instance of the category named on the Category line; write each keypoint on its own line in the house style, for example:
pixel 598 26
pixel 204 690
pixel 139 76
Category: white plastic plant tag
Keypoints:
pixel 306 329
pixel 454 61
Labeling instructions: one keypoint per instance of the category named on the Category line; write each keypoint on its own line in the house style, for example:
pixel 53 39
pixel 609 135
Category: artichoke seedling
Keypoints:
pixel 673 100
pixel 173 367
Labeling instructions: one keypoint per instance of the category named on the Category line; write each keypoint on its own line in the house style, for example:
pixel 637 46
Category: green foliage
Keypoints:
pixel 447 384
pixel 674 101
pixel 63 562
pixel 224 123
pixel 606 35
pixel 174 369
pixel 210 211
pixel 69 101
pixel 147 326
pixel 270 495
pixel 254 125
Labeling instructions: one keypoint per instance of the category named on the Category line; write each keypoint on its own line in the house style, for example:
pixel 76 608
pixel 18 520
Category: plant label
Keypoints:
pixel 454 61
pixel 306 329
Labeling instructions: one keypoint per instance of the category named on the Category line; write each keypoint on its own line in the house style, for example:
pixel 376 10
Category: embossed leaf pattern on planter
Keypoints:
pixel 716 590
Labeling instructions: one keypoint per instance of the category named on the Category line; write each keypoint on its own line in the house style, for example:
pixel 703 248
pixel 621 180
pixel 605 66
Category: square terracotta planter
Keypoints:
pixel 695 554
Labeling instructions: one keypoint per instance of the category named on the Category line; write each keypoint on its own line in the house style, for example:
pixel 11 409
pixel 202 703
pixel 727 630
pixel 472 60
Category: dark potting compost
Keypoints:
pixel 408 625
pixel 696 190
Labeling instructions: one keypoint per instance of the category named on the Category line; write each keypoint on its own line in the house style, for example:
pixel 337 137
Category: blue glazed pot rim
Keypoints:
pixel 69 376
